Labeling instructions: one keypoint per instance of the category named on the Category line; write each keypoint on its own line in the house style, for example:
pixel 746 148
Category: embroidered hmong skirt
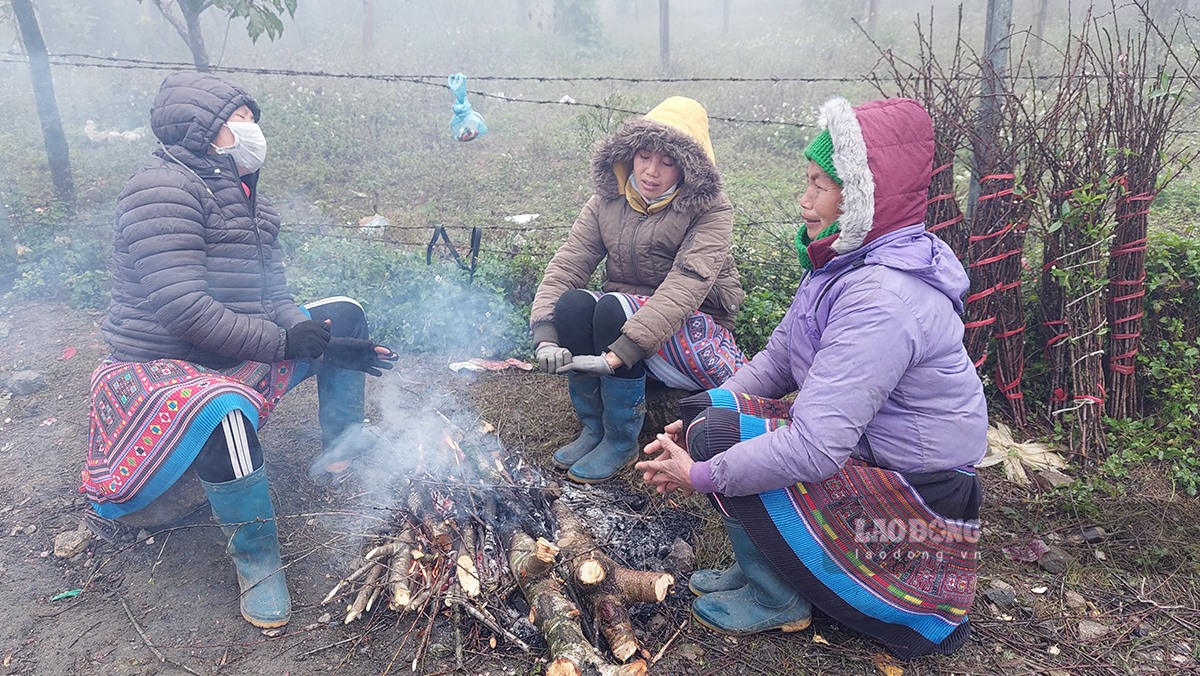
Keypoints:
pixel 149 420
pixel 701 355
pixel 892 555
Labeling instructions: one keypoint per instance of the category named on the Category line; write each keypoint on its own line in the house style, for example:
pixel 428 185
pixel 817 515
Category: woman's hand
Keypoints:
pixel 671 470
pixel 671 431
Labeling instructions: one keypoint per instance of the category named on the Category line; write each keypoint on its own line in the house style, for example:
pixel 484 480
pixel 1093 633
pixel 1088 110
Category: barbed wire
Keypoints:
pixel 79 60
pixel 366 234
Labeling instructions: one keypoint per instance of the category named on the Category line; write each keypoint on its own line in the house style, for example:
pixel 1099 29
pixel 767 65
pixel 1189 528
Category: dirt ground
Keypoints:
pixel 169 604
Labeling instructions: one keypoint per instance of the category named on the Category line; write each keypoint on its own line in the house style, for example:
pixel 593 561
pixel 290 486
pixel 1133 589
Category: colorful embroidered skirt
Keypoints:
pixel 149 421
pixel 891 555
pixel 701 355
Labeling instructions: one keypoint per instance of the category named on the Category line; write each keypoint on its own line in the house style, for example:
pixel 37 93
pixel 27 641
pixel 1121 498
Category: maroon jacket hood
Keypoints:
pixel 883 152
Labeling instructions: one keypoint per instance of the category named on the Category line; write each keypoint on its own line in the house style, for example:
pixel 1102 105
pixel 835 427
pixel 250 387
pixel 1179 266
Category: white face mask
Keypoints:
pixel 249 149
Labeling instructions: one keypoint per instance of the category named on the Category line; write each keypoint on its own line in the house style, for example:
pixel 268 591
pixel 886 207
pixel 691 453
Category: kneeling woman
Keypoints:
pixel 671 292
pixel 860 496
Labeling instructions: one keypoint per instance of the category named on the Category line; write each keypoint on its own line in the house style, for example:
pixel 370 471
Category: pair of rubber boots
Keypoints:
pixel 748 597
pixel 612 410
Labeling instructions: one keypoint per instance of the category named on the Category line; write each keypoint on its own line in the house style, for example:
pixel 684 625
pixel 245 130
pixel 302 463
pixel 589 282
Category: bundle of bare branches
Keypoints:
pixel 1145 100
pixel 1076 148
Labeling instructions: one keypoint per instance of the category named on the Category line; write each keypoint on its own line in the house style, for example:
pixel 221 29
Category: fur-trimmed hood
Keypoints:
pixel 677 127
pixel 883 153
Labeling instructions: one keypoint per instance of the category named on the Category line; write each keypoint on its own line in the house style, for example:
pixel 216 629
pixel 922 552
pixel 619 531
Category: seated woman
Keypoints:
pixel 859 497
pixel 671 292
pixel 204 337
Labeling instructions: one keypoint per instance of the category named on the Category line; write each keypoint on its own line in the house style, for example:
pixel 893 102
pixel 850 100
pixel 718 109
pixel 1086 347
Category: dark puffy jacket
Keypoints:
pixel 197 267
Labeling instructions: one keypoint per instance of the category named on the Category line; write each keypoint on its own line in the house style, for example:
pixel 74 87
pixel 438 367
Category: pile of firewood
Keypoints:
pixel 466 534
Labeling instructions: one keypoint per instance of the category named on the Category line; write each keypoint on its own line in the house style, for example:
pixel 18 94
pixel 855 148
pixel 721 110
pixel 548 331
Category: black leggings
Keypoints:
pixel 588 326
pixel 231 452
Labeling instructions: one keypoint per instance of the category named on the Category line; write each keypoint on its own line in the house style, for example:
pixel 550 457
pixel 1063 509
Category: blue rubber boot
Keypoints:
pixel 710 580
pixel 341 395
pixel 766 602
pixel 585 398
pixel 243 509
pixel 624 411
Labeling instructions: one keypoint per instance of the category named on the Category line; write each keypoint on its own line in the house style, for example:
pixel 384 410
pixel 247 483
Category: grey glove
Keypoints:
pixel 552 357
pixel 588 364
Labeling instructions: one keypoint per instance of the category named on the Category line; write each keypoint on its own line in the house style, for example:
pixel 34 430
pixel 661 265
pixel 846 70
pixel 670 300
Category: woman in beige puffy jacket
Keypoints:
pixel 660 220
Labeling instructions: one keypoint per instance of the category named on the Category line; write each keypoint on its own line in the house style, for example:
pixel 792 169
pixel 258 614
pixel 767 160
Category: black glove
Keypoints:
pixel 358 355
pixel 306 340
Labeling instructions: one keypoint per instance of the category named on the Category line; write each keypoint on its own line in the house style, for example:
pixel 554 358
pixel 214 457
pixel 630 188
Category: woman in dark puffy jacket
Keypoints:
pixel 205 338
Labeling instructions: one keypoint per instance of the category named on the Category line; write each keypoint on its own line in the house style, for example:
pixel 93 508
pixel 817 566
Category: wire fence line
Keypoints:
pixel 377 235
pixel 79 60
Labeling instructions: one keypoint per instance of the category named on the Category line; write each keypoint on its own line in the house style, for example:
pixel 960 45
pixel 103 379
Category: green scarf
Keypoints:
pixel 803 240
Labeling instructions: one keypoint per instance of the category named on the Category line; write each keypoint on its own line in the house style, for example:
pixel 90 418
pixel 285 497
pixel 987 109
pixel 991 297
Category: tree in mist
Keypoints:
pixel 261 16
pixel 57 151
pixel 580 21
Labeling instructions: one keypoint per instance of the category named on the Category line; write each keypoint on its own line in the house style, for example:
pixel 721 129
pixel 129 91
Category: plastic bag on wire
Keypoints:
pixel 466 125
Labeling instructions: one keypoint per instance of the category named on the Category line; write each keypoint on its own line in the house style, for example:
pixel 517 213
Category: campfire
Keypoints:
pixel 471 530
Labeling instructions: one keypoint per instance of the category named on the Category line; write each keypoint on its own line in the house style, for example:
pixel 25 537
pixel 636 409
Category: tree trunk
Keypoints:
pixel 664 33
pixel 368 31
pixel 57 152
pixel 1039 30
pixel 195 37
pixel 8 251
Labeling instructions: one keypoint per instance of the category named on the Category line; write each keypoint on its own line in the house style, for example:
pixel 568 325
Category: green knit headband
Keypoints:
pixel 820 150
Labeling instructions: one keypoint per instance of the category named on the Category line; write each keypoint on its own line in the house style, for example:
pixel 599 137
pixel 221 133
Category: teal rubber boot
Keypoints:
pixel 710 580
pixel 766 602
pixel 243 509
pixel 341 395
pixel 624 411
pixel 588 405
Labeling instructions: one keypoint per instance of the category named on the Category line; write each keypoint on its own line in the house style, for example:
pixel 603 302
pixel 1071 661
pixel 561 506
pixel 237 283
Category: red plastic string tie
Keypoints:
pixel 1122 299
pixel 979 324
pixel 946 224
pixel 1059 395
pixel 979 238
pixel 981 360
pixel 995 259
pixel 1130 318
pixel 1126 336
pixel 1128 282
pixel 940 198
pixel 1009 334
pixel 942 168
pixel 980 295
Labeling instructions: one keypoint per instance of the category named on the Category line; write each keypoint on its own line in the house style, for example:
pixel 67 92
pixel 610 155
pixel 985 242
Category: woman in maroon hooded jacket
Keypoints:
pixel 859 496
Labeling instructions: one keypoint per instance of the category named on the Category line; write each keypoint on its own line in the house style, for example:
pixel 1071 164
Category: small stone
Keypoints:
pixel 681 558
pixel 276 631
pixel 1054 561
pixel 1093 534
pixel 1075 601
pixel 1001 593
pixel 25 382
pixel 690 652
pixel 324 618
pixel 1090 631
pixel 657 622
pixel 71 543
pixel 143 535
pixel 1100 555
pixel 31 529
